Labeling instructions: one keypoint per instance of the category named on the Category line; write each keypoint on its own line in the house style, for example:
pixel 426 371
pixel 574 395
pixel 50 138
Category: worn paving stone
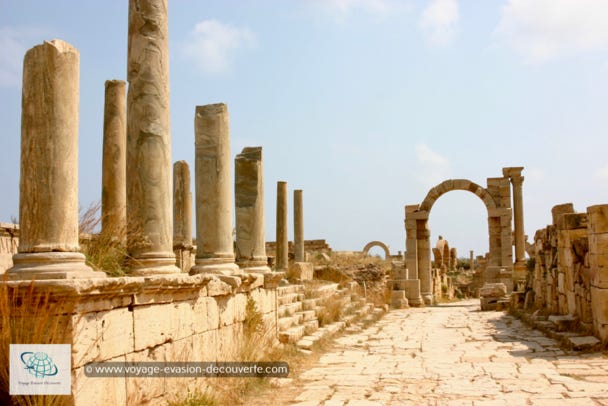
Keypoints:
pixel 448 355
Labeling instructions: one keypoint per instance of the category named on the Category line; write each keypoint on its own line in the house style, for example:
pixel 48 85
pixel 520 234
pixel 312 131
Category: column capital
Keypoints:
pixel 513 171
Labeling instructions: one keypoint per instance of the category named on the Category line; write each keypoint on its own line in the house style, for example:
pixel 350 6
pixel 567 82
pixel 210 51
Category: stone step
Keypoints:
pixel 307 315
pixel 309 304
pixel 284 290
pixel 563 322
pixel 284 323
pixel 584 343
pixel 290 309
pixel 288 298
pixel 311 326
pixel 292 335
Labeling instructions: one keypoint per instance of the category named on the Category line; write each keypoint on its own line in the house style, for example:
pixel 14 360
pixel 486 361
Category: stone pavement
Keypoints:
pixel 452 354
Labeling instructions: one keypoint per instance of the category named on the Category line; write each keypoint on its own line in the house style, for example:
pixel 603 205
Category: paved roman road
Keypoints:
pixel 452 354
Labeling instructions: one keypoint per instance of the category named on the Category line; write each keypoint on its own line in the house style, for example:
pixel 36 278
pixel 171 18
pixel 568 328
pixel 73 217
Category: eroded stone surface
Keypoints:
pixel 250 217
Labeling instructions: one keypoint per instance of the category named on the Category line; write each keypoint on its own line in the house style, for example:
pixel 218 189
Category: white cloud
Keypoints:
pixel 342 9
pixel 541 30
pixel 14 42
pixel 602 173
pixel 439 22
pixel 212 45
pixel 433 167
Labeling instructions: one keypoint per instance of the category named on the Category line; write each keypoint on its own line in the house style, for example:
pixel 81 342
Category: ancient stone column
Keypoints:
pixel 48 189
pixel 149 191
pixel 282 241
pixel 114 164
pixel 517 181
pixel 411 252
pixel 182 215
pixel 298 226
pixel 214 243
pixel 249 198
pixel 471 261
pixel 424 260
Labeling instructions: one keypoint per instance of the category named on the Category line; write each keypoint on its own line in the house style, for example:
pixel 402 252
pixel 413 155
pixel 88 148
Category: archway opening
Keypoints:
pixel 376 252
pixel 461 218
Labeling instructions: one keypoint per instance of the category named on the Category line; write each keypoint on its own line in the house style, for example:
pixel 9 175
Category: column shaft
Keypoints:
pixel 149 191
pixel 249 198
pixel 282 242
pixel 298 226
pixel 114 164
pixel 424 260
pixel 518 215
pixel 215 244
pixel 48 189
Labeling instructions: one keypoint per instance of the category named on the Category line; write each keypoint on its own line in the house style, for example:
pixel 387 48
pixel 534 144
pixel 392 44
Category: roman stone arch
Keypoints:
pixel 370 245
pixel 457 184
pixel 497 200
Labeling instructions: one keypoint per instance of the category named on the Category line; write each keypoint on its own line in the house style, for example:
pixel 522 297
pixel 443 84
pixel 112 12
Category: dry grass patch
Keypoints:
pixel 108 249
pixel 30 317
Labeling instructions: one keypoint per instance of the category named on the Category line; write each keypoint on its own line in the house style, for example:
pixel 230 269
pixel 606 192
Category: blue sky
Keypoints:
pixel 363 104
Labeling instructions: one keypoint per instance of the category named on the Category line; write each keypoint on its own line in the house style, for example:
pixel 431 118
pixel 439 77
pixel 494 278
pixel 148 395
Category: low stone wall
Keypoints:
pixel 570 274
pixel 309 246
pixel 161 318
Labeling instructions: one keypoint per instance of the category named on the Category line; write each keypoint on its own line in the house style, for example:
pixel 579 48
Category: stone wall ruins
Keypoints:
pixel 570 275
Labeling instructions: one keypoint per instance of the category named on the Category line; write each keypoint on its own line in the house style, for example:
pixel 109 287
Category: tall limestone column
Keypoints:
pixel 514 174
pixel 149 191
pixel 249 198
pixel 214 243
pixel 48 188
pixel 298 226
pixel 282 241
pixel 182 215
pixel 114 164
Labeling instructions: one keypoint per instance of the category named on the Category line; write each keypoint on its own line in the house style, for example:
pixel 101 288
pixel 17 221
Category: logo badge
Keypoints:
pixel 40 369
pixel 39 364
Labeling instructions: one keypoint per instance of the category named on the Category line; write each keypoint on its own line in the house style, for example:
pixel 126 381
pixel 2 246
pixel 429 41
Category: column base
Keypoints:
pixel 153 263
pixel 519 270
pixel 51 265
pixel 257 269
pixel 427 298
pixel 254 266
pixel 215 266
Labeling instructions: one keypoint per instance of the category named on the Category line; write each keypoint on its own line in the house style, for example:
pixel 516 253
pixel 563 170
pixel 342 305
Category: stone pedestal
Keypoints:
pixel 114 164
pixel 249 197
pixel 282 253
pixel 214 243
pixel 149 192
pixel 48 189
pixel 298 226
pixel 182 215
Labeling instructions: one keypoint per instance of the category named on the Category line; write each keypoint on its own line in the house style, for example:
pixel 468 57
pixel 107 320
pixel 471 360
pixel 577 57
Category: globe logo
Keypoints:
pixel 38 364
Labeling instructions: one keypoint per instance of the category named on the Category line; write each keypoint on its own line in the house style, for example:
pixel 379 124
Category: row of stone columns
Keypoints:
pixel 137 142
